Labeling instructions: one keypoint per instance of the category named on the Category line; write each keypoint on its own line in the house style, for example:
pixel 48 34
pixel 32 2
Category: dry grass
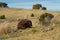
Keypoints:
pixel 38 32
pixel 6 28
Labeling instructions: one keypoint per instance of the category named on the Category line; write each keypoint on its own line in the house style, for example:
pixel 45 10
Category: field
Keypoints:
pixel 37 32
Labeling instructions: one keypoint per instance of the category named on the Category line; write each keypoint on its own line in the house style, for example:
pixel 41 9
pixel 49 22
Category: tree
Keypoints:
pixel 37 6
pixel 2 4
pixel 43 8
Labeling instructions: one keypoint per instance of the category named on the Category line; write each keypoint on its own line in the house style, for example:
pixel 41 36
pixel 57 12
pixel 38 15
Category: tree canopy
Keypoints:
pixel 3 5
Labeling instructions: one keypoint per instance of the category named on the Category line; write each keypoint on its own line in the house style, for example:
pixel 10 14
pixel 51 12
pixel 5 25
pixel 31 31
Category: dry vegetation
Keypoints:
pixel 8 26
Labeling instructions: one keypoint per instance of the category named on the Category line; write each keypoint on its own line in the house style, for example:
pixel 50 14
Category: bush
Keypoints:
pixel 24 23
pixel 46 18
pixel 2 17
pixel 43 16
pixel 37 6
pixel 32 15
pixel 43 8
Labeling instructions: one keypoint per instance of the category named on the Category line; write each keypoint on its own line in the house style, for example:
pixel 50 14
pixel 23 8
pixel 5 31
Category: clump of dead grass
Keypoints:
pixel 5 28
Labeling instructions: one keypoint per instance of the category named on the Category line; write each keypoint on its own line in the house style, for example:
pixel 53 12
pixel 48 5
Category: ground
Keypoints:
pixel 37 32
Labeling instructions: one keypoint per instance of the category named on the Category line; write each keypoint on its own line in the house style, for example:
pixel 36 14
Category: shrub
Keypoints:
pixel 32 15
pixel 43 16
pixel 46 18
pixel 2 17
pixel 24 23
pixel 37 6
pixel 43 8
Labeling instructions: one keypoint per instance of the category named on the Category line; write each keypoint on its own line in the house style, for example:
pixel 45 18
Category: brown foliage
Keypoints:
pixel 24 23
